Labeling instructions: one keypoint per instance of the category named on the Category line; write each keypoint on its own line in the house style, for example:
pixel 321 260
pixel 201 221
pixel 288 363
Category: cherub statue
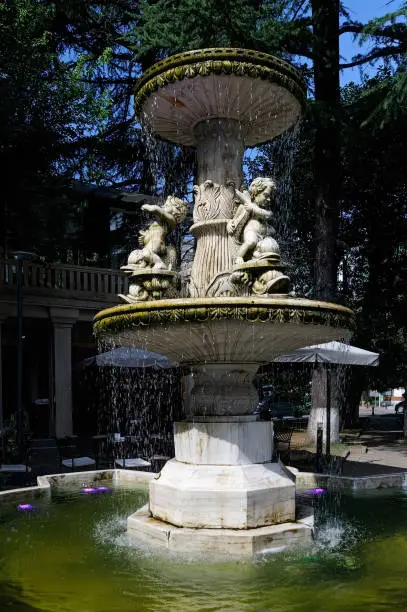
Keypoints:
pixel 155 254
pixel 249 225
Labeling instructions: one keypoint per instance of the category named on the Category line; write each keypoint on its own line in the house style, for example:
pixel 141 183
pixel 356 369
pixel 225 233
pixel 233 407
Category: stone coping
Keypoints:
pixel 304 481
pixel 309 480
pixel 46 482
pixel 141 526
pixel 252 309
pixel 219 54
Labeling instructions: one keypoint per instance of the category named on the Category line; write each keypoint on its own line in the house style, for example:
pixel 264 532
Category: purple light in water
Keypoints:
pixel 25 507
pixel 90 490
pixel 317 491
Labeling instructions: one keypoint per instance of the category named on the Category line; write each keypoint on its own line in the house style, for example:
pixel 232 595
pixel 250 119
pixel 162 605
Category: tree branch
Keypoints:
pixel 376 54
pixel 103 81
pixel 353 28
pixel 395 32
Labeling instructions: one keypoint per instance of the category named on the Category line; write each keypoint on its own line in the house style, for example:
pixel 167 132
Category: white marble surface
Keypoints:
pixel 223 443
pixel 141 526
pixel 219 496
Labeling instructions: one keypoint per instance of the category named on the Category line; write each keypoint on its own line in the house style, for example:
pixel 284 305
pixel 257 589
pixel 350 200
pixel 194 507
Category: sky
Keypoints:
pixel 363 11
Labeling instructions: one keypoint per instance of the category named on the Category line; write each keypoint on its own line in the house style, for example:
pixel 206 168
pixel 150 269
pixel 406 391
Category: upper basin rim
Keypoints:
pixel 207 302
pixel 222 54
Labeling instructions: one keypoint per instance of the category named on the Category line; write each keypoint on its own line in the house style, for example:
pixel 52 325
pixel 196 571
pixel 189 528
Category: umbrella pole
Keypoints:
pixel 328 413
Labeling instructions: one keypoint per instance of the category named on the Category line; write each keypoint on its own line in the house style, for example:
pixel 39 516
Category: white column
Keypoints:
pixel 63 320
pixel 219 150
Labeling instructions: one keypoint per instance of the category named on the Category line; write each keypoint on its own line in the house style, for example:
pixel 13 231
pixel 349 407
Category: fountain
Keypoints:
pixel 222 492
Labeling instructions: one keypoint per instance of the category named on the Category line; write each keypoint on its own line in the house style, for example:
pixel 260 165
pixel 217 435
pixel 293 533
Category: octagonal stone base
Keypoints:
pixel 141 526
pixel 223 496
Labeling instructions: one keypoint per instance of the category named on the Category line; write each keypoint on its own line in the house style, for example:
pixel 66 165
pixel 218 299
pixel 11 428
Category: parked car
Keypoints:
pixel 271 408
pixel 401 406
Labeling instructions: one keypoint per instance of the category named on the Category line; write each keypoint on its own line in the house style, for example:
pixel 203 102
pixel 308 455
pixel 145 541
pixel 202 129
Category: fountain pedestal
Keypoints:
pixel 223 487
pixel 222 477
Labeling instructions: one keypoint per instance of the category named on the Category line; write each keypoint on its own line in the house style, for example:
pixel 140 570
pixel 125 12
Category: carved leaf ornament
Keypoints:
pixel 203 62
pixel 117 319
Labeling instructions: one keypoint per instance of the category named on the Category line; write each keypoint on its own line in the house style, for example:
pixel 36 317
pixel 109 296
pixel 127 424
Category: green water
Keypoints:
pixel 71 555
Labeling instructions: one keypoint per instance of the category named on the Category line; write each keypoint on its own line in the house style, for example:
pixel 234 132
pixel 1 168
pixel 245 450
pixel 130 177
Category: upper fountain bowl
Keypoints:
pixel 264 94
pixel 224 330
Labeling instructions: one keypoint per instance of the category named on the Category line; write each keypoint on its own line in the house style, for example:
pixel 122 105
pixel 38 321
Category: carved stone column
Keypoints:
pixel 219 150
pixel 215 249
pixel 223 389
pixel 63 320
pixel 220 147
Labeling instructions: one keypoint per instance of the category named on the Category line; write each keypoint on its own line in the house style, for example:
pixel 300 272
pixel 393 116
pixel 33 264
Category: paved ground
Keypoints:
pixel 377 448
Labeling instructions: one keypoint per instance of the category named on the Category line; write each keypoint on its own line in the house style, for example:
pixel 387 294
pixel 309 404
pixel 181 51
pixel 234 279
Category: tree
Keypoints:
pixel 43 109
pixel 374 228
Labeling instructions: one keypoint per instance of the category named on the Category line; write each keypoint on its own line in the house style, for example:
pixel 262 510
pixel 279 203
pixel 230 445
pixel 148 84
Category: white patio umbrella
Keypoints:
pixel 129 357
pixel 331 352
pixel 334 353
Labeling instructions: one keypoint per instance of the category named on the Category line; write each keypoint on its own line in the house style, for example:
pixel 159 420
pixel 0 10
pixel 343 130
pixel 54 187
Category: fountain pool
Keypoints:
pixel 71 555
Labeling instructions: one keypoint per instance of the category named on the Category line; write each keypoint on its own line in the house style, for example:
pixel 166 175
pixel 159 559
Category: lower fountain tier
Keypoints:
pixel 231 542
pixel 223 330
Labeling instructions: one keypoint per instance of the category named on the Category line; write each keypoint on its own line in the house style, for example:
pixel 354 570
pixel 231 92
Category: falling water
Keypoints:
pixel 278 159
pixel 137 402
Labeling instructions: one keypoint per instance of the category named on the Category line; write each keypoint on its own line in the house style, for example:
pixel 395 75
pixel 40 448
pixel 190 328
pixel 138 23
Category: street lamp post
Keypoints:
pixel 20 340
pixel 20 256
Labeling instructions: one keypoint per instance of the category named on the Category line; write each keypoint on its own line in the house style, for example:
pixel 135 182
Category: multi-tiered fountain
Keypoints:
pixel 222 491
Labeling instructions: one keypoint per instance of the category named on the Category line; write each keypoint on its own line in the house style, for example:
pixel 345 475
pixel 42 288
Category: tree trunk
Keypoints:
pixel 325 22
pixel 356 381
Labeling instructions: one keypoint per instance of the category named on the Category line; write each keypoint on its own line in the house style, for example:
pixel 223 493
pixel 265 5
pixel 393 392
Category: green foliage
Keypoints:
pixel 374 229
pixel 378 25
pixel 45 110
pixel 168 26
pixel 387 36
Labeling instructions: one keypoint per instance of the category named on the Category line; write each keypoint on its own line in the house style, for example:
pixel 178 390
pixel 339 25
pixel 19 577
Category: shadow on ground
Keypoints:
pixel 376 447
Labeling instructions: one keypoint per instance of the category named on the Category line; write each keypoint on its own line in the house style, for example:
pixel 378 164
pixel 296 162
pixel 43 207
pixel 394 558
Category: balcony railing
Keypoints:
pixel 64 280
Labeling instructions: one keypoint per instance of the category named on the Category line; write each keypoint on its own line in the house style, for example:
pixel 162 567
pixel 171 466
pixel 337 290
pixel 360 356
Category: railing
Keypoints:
pixel 64 279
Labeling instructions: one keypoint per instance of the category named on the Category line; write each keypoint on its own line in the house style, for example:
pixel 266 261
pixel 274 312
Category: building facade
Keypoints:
pixel 58 303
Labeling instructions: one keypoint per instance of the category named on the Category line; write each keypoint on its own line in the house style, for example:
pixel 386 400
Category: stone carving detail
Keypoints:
pixel 214 205
pixel 222 389
pixel 292 313
pixel 205 62
pixel 151 268
pixel 249 225
pixel 213 201
pixel 257 266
